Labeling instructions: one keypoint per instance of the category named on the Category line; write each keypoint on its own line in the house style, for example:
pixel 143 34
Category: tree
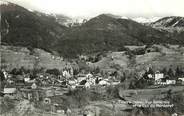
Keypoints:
pixel 97 70
pixel 145 75
pixel 122 77
pixel 16 71
pixel 171 73
pixel 112 91
pixel 53 71
pixel 2 78
pixel 23 70
pixel 150 71
pixel 75 71
pixel 164 71
pixel 34 72
pixel 143 83
pixel 132 85
pixel 178 72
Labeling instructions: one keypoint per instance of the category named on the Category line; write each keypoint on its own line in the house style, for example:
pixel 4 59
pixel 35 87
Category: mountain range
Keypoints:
pixel 20 27
pixel 106 32
pixel 171 24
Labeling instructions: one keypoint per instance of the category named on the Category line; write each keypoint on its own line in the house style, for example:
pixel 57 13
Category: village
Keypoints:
pixel 48 88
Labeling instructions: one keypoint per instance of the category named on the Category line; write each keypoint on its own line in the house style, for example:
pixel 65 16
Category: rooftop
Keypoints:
pixel 9 90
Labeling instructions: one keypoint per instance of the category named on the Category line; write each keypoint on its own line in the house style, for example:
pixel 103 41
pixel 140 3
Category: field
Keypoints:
pixel 149 94
pixel 17 57
pixel 165 57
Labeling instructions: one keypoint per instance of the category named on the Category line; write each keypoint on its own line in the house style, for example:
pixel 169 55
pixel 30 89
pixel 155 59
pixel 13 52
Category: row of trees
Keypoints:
pixel 173 73
pixel 54 71
pixel 22 70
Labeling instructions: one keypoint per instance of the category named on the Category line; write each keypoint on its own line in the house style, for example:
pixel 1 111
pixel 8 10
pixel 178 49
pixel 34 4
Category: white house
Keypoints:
pixel 150 76
pixel 115 83
pixel 27 79
pixel 34 86
pixel 89 75
pixel 159 76
pixel 10 92
pixel 104 82
pixel 91 81
pixel 5 74
pixel 79 79
pixel 181 79
pixel 170 82
pixel 87 85
pixel 66 74
pixel 72 82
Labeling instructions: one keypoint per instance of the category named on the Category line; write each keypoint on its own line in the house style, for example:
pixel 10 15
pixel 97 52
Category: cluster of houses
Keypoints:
pixel 161 79
pixel 49 89
pixel 25 84
pixel 68 80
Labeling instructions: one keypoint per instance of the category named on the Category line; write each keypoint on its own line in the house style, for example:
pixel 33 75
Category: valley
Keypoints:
pixel 107 65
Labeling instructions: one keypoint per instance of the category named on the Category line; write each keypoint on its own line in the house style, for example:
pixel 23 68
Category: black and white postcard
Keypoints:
pixel 91 58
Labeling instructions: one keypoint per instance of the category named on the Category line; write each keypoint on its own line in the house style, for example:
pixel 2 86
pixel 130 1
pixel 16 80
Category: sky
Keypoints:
pixel 91 8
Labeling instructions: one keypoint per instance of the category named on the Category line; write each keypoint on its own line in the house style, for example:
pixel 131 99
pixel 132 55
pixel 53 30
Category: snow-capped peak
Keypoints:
pixel 146 20
pixel 31 10
pixel 123 17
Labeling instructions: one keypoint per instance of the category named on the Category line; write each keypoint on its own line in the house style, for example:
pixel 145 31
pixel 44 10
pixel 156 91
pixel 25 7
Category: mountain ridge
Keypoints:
pixel 24 28
pixel 171 24
pixel 105 32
